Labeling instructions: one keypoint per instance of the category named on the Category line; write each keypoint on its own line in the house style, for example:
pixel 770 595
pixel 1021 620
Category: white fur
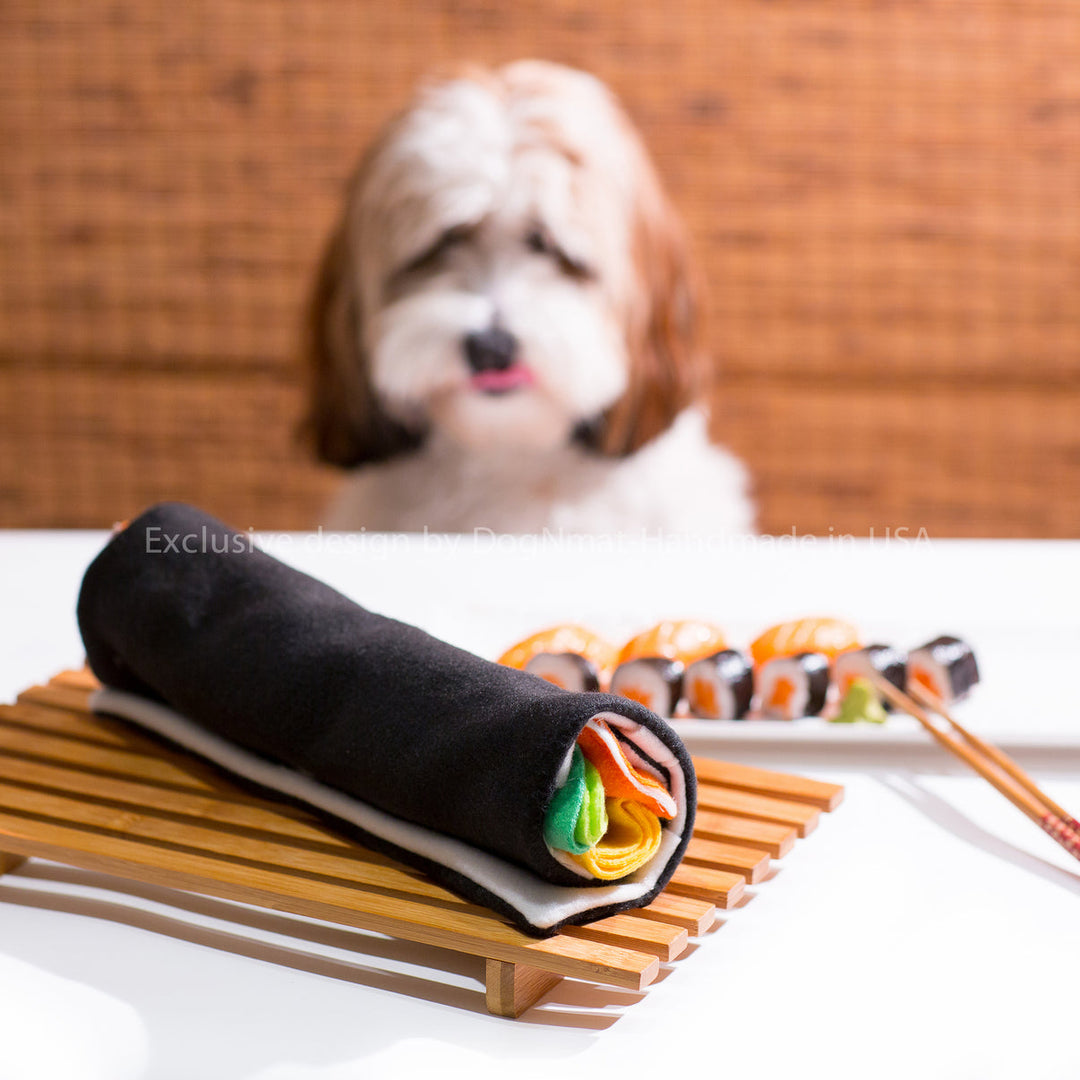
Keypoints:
pixel 679 482
pixel 547 149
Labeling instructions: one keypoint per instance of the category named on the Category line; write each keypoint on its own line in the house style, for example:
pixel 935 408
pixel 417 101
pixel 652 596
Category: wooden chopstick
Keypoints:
pixel 998 757
pixel 1028 799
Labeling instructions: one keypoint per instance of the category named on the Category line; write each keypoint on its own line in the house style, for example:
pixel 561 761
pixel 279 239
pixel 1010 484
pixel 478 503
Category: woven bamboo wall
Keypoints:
pixel 885 197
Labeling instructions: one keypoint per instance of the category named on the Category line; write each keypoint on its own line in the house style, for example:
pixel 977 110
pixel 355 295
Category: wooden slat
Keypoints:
pixel 694 916
pixel 164 768
pixel 803 817
pixel 719 887
pixel 458 928
pixel 352 867
pixel 79 678
pixel 766 782
pixel 101 730
pixel 664 940
pixel 59 695
pixel 774 838
pixel 78 724
pixel 83 736
pixel 246 817
pixel 84 739
pixel 750 863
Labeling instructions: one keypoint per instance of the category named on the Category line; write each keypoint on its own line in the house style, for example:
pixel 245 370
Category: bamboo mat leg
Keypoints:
pixel 513 988
pixel 10 862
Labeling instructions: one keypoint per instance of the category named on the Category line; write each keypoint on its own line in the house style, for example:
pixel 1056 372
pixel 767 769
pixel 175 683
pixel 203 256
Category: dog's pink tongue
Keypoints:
pixel 500 381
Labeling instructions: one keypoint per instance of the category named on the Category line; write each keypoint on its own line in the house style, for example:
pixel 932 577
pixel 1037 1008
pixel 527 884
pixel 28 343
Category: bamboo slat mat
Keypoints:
pixel 94 792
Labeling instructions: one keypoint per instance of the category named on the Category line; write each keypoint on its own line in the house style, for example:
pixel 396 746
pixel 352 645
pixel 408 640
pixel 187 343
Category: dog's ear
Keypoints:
pixel 345 423
pixel 661 332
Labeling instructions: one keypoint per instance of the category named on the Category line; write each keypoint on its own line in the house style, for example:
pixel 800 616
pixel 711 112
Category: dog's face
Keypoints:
pixel 508 272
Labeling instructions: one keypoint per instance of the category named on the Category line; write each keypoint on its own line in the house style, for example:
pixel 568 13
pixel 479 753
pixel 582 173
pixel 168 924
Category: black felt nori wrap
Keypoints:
pixel 287 667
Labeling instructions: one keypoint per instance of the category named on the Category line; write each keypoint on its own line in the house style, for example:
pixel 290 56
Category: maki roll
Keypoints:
pixel 549 807
pixel 828 636
pixel 881 660
pixel 654 681
pixel 791 686
pixel 569 670
pixel 721 686
pixel 945 666
pixel 651 664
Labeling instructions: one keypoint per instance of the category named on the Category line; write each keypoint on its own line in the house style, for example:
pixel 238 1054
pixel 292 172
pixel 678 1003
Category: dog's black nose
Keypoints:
pixel 493 349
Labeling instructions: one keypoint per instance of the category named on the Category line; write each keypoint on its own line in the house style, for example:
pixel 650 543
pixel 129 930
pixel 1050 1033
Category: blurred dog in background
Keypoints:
pixel 502 333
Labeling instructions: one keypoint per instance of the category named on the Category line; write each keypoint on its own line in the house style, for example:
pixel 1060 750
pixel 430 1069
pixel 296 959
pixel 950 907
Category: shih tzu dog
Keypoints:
pixel 502 330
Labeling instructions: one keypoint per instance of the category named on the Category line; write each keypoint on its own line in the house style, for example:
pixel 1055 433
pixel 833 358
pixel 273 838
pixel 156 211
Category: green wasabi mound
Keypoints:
pixel 861 702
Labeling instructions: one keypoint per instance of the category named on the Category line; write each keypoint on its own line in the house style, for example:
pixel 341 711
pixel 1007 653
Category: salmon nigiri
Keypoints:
pixel 816 635
pixel 676 639
pixel 569 656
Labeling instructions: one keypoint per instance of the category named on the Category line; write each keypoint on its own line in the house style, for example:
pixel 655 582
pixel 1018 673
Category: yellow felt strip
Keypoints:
pixel 631 840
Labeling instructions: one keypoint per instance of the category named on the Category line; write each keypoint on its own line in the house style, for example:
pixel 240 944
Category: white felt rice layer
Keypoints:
pixel 541 903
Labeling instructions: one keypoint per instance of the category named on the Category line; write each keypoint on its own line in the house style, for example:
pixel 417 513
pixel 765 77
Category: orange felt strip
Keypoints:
pixel 621 779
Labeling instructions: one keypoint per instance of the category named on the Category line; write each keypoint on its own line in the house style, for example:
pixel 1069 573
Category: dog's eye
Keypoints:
pixel 539 242
pixel 431 255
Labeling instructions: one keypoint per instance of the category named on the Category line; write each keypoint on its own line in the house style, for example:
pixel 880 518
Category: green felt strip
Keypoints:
pixel 560 821
pixel 592 821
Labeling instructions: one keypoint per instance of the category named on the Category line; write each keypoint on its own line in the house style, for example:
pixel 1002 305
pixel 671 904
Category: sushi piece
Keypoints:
pixel 945 666
pixel 652 681
pixel 828 636
pixel 791 686
pixel 568 670
pixel 720 687
pixel 677 639
pixel 420 750
pixel 881 660
pixel 558 640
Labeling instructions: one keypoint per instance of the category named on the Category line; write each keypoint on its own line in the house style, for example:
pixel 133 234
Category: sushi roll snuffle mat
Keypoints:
pixel 425 751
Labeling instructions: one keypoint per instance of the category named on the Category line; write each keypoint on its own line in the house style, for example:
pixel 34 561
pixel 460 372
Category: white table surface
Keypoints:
pixel 927 929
